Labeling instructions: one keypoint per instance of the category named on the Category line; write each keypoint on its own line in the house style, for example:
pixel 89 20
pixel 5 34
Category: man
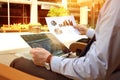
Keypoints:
pixel 101 61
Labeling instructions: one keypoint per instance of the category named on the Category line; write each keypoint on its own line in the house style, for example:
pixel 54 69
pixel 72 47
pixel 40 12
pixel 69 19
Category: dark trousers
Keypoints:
pixel 29 67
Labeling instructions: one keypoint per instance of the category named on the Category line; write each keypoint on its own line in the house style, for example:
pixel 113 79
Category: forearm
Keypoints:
pixel 63 66
pixel 79 68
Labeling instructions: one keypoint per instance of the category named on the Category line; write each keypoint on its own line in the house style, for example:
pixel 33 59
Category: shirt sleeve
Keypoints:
pixel 87 67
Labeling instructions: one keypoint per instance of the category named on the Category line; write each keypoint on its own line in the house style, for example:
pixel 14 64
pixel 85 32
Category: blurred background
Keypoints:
pixel 18 15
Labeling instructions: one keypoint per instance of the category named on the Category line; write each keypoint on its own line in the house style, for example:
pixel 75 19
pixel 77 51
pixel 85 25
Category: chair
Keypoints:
pixel 79 45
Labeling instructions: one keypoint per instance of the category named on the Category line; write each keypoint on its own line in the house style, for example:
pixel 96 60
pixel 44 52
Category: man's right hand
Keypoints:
pixel 39 56
pixel 81 28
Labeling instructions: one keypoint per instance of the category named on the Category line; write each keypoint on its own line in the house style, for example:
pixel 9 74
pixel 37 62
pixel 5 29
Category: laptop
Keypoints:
pixel 47 41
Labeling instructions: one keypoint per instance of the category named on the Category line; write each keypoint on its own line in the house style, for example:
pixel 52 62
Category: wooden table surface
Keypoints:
pixel 8 73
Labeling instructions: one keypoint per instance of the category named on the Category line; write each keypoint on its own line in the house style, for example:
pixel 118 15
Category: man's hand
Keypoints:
pixel 82 29
pixel 39 56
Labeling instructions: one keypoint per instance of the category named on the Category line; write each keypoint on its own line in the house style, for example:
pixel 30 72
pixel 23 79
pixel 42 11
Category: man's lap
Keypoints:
pixel 28 66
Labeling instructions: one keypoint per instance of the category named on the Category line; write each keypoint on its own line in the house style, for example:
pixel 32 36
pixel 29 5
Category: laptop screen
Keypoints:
pixel 47 41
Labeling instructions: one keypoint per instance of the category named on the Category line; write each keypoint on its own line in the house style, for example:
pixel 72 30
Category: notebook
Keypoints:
pixel 47 41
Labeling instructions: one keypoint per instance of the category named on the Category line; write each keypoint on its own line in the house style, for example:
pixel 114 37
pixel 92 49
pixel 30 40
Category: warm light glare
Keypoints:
pixel 84 15
pixel 34 18
pixel 64 3
pixel 82 1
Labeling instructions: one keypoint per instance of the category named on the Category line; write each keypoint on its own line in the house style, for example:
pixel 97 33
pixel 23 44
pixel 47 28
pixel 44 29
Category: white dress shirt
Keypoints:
pixel 102 59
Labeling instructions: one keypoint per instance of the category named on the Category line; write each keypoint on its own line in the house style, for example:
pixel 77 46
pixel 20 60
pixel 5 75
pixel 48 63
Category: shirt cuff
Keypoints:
pixel 55 63
pixel 90 33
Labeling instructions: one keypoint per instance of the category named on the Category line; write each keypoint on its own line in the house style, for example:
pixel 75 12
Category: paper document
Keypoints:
pixel 62 25
pixel 62 28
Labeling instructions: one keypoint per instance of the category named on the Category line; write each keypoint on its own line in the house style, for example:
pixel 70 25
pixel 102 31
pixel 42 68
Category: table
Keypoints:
pixel 13 46
pixel 8 73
